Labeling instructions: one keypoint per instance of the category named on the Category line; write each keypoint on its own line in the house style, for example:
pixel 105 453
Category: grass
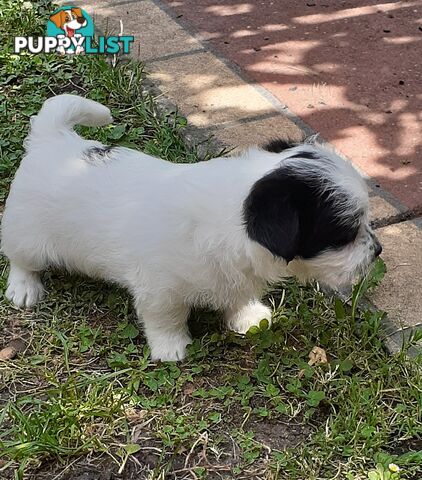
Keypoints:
pixel 84 401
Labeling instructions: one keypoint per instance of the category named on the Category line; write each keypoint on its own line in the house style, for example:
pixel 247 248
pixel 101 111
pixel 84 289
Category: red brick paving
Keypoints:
pixel 350 69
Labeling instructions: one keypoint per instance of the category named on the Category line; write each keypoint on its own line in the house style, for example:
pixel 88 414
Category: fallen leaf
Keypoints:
pixel 12 349
pixel 317 356
pixel 134 415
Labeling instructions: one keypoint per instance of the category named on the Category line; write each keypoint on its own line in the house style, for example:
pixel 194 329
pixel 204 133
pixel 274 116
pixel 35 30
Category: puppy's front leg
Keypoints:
pixel 166 330
pixel 246 315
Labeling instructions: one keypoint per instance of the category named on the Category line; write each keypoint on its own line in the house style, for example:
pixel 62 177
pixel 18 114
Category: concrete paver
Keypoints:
pixel 380 209
pixel 155 37
pixel 257 132
pixel 401 292
pixel 211 94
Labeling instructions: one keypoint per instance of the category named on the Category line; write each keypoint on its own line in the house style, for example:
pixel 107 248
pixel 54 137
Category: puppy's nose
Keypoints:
pixel 378 247
pixel 81 20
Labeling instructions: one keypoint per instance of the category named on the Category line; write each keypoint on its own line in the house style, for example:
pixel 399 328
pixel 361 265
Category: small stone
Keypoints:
pixel 257 49
pixel 401 82
pixel 386 30
pixel 292 89
pixel 10 351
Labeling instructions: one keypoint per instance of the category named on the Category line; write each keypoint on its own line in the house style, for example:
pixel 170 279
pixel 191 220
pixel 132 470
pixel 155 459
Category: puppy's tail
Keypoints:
pixel 65 111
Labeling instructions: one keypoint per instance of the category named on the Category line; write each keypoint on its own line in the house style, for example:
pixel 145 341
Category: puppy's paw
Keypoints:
pixel 25 289
pixel 251 314
pixel 170 348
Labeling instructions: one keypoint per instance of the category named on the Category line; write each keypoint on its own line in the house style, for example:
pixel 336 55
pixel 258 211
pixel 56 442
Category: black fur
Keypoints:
pixel 278 145
pixel 306 155
pixel 97 154
pixel 288 215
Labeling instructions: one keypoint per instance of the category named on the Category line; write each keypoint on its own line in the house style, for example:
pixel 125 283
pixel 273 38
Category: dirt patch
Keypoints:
pixel 278 434
pixel 106 470
pixel 411 445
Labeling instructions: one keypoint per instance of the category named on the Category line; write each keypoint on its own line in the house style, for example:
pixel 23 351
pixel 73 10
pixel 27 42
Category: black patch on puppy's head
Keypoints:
pixel 277 145
pixel 305 155
pixel 292 216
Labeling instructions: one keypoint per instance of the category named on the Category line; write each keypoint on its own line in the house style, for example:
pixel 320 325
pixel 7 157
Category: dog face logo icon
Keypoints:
pixel 70 22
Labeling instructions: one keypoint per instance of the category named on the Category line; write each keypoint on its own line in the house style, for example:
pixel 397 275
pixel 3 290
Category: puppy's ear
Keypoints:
pixel 271 216
pixel 59 19
pixel 77 12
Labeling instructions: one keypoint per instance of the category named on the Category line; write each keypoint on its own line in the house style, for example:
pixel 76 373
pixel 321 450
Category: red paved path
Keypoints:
pixel 350 69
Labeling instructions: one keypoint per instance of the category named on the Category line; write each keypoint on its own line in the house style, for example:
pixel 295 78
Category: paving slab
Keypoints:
pixel 381 210
pixel 257 132
pixel 155 36
pixel 400 294
pixel 209 93
pixel 350 69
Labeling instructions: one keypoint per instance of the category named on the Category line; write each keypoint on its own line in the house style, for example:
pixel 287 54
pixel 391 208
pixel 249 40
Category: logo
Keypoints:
pixel 70 30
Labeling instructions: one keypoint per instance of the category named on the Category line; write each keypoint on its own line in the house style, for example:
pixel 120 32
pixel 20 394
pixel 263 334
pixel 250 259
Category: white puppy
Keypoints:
pixel 176 235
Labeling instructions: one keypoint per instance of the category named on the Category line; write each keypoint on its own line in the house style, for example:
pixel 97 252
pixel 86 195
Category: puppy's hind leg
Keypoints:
pixel 166 329
pixel 25 288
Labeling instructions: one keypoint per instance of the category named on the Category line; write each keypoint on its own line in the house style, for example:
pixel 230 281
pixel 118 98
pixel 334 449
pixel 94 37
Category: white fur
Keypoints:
pixel 173 234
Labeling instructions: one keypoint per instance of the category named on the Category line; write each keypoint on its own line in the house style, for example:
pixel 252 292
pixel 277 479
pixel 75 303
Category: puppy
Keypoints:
pixel 176 235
